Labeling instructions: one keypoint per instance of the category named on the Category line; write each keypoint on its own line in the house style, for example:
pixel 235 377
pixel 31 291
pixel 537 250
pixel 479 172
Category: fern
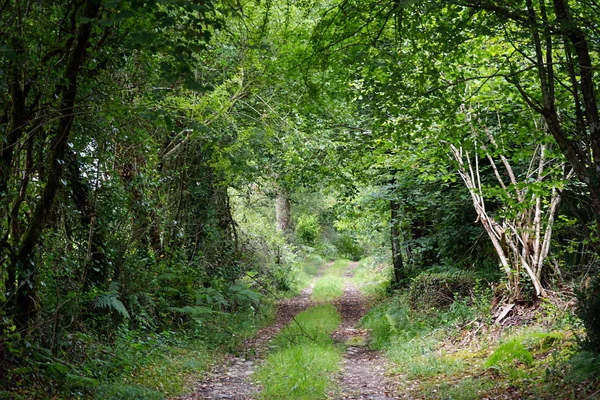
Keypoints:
pixel 170 291
pixel 110 301
pixel 212 297
pixel 584 365
pixel 142 308
pixel 192 311
pixel 195 313
pixel 242 296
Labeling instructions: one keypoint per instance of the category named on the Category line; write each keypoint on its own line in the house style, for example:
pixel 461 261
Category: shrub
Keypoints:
pixel 348 248
pixel 328 250
pixel 308 230
pixel 431 290
pixel 588 309
pixel 584 365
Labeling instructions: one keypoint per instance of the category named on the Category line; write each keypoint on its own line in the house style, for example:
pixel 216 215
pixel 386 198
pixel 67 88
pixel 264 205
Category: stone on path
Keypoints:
pixel 362 371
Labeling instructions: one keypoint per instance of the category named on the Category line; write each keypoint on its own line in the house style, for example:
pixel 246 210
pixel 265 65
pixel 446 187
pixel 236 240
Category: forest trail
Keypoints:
pixel 233 378
pixel 362 375
pixel 362 370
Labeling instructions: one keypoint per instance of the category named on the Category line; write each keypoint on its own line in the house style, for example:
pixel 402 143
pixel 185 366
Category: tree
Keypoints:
pixel 521 230
pixel 415 62
pixel 53 53
pixel 559 47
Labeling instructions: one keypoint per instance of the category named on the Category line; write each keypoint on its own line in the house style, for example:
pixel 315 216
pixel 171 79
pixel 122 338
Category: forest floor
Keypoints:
pixel 361 374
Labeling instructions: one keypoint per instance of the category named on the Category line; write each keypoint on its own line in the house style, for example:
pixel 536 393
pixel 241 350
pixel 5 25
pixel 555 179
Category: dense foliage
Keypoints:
pixel 165 165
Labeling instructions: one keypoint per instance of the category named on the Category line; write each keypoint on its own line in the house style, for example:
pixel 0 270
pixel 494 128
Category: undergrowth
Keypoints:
pixel 373 276
pixel 455 351
pixel 138 363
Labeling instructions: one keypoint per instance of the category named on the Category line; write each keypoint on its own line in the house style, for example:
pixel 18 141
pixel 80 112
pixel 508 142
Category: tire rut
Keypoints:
pixel 232 378
pixel 363 370
pixel 362 373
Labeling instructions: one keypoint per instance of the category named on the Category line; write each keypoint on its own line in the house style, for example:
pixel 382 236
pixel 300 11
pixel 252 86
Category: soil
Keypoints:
pixel 363 370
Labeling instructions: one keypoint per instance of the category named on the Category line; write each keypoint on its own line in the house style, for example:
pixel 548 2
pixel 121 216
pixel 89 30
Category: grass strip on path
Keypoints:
pixel 331 285
pixel 301 368
pixel 307 358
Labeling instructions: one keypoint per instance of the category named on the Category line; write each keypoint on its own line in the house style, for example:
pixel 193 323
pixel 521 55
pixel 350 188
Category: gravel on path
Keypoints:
pixel 363 370
pixel 232 379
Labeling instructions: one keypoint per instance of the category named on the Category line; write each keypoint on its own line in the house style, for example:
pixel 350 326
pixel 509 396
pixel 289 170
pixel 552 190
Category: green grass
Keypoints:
pixel 457 353
pixel 421 358
pixel 509 353
pixel 172 371
pixel 311 264
pixel 338 267
pixel 300 372
pixel 157 365
pixel 412 340
pixel 467 388
pixel 306 270
pixel 302 367
pixel 373 276
pixel 312 325
pixel 330 286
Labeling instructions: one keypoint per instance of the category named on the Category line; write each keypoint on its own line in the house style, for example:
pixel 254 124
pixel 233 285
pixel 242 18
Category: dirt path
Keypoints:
pixel 232 379
pixel 362 375
pixel 363 370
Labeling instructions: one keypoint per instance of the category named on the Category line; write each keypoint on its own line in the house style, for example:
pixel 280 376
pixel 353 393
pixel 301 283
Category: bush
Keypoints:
pixel 348 248
pixel 584 365
pixel 436 290
pixel 308 230
pixel 328 250
pixel 588 309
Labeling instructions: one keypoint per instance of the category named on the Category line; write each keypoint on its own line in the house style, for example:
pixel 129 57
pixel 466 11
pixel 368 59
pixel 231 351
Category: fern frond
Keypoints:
pixel 192 311
pixel 242 296
pixel 110 302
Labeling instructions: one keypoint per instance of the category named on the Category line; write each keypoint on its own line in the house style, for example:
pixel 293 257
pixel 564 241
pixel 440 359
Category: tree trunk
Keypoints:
pixel 587 88
pixel 282 211
pixel 397 261
pixel 24 304
pixel 97 272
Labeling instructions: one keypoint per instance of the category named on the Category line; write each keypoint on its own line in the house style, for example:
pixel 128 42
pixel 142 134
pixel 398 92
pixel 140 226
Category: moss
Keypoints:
pixel 508 353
